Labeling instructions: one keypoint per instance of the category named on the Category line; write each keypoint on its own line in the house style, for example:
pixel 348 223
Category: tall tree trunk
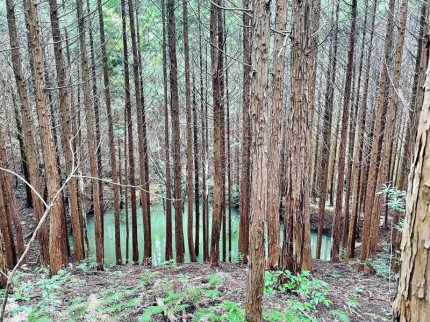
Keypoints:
pixel 222 47
pixel 28 132
pixel 245 175
pixel 274 162
pixel 189 137
pixel 91 138
pixel 260 145
pixel 112 157
pixel 169 251
pixel 146 196
pixel 203 110
pixel 343 136
pixel 147 249
pixel 96 105
pixel 57 242
pixel 412 301
pixel 228 151
pixel 358 142
pixel 130 145
pixel 369 222
pixel 196 172
pixel 78 240
pixel 302 74
pixel 217 91
pixel 383 174
pixel 327 124
pixel 179 231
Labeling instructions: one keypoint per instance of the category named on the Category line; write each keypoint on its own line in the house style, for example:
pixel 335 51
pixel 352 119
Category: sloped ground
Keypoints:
pixel 190 292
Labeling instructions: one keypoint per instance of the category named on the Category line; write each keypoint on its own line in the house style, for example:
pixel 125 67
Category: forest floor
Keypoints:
pixel 193 292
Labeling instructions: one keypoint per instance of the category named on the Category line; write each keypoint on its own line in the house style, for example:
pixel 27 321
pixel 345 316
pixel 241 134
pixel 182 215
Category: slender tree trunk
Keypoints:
pixel 96 105
pixel 260 139
pixel 91 138
pixel 315 170
pixel 24 160
pixel 217 90
pixel 327 124
pixel 126 193
pixel 383 174
pixel 169 251
pixel 5 222
pixel 245 175
pixel 334 160
pixel 3 270
pixel 343 137
pixel 130 145
pixel 189 135
pixel 112 157
pixel 146 196
pixel 222 47
pixel 11 207
pixel 203 104
pixel 369 222
pixel 78 240
pixel 274 162
pixel 358 146
pixel 179 231
pixel 228 155
pixel 196 172
pixel 28 132
pixel 57 243
pixel 147 249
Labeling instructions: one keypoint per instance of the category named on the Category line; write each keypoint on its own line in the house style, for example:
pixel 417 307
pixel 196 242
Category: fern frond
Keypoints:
pixel 149 312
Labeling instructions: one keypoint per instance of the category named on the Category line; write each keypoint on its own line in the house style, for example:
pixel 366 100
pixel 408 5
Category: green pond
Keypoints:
pixel 158 226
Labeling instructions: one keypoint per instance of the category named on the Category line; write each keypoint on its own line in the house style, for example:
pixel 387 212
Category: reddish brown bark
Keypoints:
pixel 343 137
pixel 57 243
pixel 274 162
pixel 91 137
pixel 169 250
pixel 245 177
pixel 412 301
pixel 28 132
pixel 179 231
pixel 260 139
pixel 112 157
pixel 189 138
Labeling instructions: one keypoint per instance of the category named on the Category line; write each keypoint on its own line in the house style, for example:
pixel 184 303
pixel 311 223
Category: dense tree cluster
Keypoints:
pixel 274 107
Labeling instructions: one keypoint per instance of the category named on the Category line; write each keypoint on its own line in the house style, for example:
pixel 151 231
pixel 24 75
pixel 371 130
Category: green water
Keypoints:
pixel 158 226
